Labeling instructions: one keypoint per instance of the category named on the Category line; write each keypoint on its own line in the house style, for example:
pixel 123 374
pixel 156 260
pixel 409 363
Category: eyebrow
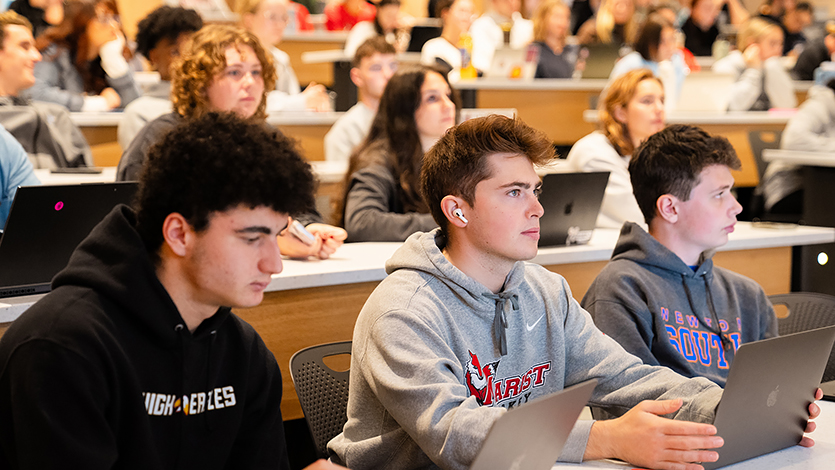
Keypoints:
pixel 257 229
pixel 520 184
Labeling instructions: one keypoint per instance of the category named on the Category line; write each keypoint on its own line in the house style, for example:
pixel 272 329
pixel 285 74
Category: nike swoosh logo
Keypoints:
pixel 531 327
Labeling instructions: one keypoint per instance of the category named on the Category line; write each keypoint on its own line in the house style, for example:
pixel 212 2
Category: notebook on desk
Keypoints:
pixel 45 225
pixel 571 202
pixel 531 436
pixel 705 92
pixel 767 395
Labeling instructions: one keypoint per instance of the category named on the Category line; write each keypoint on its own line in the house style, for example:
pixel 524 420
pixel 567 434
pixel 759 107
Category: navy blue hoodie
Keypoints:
pixel 102 373
pixel 666 313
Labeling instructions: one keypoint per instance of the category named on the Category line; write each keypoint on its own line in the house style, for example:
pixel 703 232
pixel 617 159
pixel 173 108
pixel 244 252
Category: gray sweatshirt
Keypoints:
pixel 428 378
pixel 668 314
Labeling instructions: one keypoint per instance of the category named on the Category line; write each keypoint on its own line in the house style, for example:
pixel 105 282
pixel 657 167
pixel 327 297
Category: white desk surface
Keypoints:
pixel 339 55
pixel 707 117
pixel 567 84
pixel 107 175
pixel 364 262
pixel 315 36
pixel 329 172
pixel 310 118
pixel 796 157
pixel 819 457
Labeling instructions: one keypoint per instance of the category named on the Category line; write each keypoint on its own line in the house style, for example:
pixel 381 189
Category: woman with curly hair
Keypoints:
pixel 224 68
pixel 382 190
pixel 631 110
pixel 84 66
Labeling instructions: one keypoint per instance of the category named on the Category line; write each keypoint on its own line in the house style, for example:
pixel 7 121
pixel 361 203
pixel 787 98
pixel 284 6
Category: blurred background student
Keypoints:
pixel 266 19
pixel 762 81
pixel 457 17
pixel 794 21
pixel 159 38
pixel 84 66
pixel 812 129
pixel 557 59
pixel 815 53
pixel 382 199
pixel 614 23
pixel 631 111
pixel 224 69
pixel 655 49
pixel 342 15
pixel 502 24
pixel 41 13
pixel 387 23
pixel 373 66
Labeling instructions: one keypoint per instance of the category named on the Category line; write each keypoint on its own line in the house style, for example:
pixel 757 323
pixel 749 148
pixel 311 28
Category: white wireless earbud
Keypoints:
pixel 460 215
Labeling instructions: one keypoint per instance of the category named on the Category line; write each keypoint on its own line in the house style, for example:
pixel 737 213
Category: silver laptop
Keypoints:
pixel 514 63
pixel 531 436
pixel 766 401
pixel 571 202
pixel 705 92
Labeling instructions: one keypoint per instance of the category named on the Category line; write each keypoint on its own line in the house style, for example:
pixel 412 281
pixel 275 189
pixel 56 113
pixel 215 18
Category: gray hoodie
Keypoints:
pixel 428 378
pixel 666 313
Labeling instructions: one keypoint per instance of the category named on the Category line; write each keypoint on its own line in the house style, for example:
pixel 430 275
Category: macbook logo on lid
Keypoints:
pixel 772 397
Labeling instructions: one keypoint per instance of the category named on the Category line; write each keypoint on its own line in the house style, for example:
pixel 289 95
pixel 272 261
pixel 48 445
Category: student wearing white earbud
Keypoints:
pixel 459 214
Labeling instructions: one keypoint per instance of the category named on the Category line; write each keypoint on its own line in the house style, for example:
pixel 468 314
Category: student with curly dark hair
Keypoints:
pixel 135 359
pixel 224 68
pixel 159 39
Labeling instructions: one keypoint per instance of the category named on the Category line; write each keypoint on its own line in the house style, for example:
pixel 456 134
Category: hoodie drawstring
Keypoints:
pixel 500 319
pixel 715 330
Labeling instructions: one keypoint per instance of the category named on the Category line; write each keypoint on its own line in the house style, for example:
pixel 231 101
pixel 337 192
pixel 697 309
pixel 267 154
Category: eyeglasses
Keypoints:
pixel 276 18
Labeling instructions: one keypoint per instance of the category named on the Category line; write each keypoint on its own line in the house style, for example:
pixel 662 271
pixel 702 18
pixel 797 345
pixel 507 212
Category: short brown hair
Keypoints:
pixel 458 161
pixel 375 45
pixel 619 93
pixel 649 36
pixel 203 57
pixel 671 161
pixel 8 18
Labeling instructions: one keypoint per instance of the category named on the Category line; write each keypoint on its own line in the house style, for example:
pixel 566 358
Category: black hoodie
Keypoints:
pixel 102 373
pixel 668 314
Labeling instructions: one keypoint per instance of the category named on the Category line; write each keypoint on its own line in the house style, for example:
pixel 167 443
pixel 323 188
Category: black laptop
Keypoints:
pixel 571 202
pixel 45 225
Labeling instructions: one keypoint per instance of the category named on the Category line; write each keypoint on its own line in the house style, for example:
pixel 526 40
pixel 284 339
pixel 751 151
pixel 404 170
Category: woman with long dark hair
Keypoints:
pixel 387 23
pixel 84 66
pixel 382 192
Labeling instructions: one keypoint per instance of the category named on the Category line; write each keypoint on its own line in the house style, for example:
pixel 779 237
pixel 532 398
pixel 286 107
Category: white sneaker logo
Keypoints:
pixel 531 327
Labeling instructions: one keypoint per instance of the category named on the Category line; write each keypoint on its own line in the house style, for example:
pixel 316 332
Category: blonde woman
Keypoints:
pixel 614 23
pixel 550 29
pixel 762 81
pixel 630 112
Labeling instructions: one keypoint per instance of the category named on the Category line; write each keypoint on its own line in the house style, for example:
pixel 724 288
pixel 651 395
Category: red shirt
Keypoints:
pixel 339 19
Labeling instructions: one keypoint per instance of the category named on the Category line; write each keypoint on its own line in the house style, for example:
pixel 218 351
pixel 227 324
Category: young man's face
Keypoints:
pixel 503 222
pixel 373 74
pixel 239 87
pixel 165 52
pixel 706 219
pixel 232 260
pixel 17 60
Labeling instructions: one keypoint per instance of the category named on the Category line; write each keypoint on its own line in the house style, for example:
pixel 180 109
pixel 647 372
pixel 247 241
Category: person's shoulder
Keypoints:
pixel 739 283
pixel 591 146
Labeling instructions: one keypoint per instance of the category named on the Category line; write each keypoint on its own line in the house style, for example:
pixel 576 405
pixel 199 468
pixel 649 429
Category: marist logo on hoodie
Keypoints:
pixel 164 404
pixel 507 392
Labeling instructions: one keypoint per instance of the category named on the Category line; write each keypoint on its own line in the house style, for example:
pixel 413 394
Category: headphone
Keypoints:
pixel 457 213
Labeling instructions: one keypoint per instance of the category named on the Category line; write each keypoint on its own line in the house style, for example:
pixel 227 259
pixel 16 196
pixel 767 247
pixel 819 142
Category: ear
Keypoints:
pixel 666 207
pixel 177 234
pixel 619 114
pixel 356 77
pixel 449 204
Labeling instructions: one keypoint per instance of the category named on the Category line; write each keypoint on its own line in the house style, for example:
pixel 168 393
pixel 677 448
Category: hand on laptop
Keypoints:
pixel 642 437
pixel 814 412
pixel 327 239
